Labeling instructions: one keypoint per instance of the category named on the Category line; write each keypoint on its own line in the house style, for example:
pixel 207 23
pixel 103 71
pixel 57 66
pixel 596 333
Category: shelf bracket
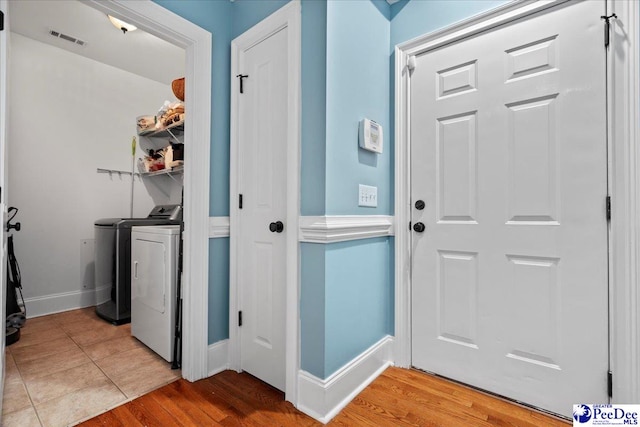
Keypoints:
pixel 173 178
pixel 175 138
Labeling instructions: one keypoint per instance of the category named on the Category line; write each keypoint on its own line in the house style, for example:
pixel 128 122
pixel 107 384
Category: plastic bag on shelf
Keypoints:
pixel 169 113
pixel 145 123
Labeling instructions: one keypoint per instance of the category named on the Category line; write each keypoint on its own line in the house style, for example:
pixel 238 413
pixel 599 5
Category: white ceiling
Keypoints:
pixel 136 51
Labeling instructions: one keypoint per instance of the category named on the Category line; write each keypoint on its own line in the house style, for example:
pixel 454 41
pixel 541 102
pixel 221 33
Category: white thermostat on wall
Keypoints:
pixel 370 135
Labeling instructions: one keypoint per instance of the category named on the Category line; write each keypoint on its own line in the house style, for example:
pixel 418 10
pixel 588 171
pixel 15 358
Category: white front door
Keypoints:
pixel 4 8
pixel 509 156
pixel 262 184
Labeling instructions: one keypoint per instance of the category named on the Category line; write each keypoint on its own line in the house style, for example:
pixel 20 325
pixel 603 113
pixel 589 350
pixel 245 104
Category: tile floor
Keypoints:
pixel 71 366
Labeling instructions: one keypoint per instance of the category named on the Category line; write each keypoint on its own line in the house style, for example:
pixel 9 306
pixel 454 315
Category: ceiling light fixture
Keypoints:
pixel 121 25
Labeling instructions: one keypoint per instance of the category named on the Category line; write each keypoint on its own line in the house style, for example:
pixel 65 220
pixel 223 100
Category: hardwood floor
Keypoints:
pixel 398 397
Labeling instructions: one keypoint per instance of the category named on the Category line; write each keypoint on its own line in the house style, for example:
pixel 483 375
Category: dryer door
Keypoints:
pixel 148 272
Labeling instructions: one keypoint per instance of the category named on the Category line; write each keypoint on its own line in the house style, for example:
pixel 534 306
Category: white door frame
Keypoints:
pixel 288 16
pixel 196 41
pixel 4 44
pixel 624 171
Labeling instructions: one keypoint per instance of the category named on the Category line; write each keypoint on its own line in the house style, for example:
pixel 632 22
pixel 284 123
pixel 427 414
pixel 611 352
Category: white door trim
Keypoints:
pixel 624 270
pixel 625 164
pixel 4 44
pixel 288 16
pixel 196 41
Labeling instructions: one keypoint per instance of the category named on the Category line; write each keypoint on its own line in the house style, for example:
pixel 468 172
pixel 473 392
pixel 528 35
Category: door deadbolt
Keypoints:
pixel 419 227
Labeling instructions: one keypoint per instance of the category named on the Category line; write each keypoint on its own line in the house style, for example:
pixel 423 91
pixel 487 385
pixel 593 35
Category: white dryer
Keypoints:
pixel 154 274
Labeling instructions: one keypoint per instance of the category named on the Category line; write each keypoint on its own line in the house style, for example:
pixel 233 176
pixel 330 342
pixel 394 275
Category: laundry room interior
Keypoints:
pixel 97 140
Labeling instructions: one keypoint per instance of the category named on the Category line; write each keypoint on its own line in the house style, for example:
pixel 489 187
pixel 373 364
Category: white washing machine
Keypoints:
pixel 154 274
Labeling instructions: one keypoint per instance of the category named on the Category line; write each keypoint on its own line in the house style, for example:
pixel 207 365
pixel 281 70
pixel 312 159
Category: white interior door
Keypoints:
pixel 4 8
pixel 262 183
pixel 509 155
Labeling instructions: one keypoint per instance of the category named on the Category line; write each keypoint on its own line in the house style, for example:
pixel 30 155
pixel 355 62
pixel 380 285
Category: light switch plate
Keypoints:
pixel 368 196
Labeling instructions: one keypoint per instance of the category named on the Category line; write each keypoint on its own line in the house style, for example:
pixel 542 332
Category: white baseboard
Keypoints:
pixel 56 303
pixel 218 357
pixel 324 399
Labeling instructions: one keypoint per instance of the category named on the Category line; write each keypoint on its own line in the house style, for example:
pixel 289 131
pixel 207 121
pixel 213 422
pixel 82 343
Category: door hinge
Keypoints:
pixel 411 63
pixel 240 318
pixel 607 28
pixel 240 201
pixel 610 383
pixel 1 20
pixel 409 225
pixel 608 208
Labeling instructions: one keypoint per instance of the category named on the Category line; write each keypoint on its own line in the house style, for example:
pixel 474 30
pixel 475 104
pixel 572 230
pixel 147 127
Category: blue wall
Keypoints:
pixel 346 304
pixel 247 13
pixel 312 308
pixel 347 288
pixel 314 119
pixel 358 298
pixel 218 290
pixel 357 87
pixel 413 18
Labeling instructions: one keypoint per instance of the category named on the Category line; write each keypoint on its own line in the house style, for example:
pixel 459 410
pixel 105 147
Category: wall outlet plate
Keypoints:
pixel 367 196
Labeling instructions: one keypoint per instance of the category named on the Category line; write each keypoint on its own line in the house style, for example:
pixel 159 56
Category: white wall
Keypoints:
pixel 68 116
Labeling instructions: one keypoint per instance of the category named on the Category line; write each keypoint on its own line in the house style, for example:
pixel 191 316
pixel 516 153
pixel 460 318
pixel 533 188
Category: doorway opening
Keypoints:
pixel 196 44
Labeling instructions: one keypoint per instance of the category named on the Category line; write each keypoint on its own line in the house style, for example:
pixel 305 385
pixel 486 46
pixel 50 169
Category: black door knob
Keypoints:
pixel 276 227
pixel 419 227
pixel 420 205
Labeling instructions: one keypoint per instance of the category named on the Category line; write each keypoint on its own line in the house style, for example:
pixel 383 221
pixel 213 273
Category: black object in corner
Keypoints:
pixel 177 332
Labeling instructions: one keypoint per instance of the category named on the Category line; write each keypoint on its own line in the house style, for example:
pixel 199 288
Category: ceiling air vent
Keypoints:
pixel 67 38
